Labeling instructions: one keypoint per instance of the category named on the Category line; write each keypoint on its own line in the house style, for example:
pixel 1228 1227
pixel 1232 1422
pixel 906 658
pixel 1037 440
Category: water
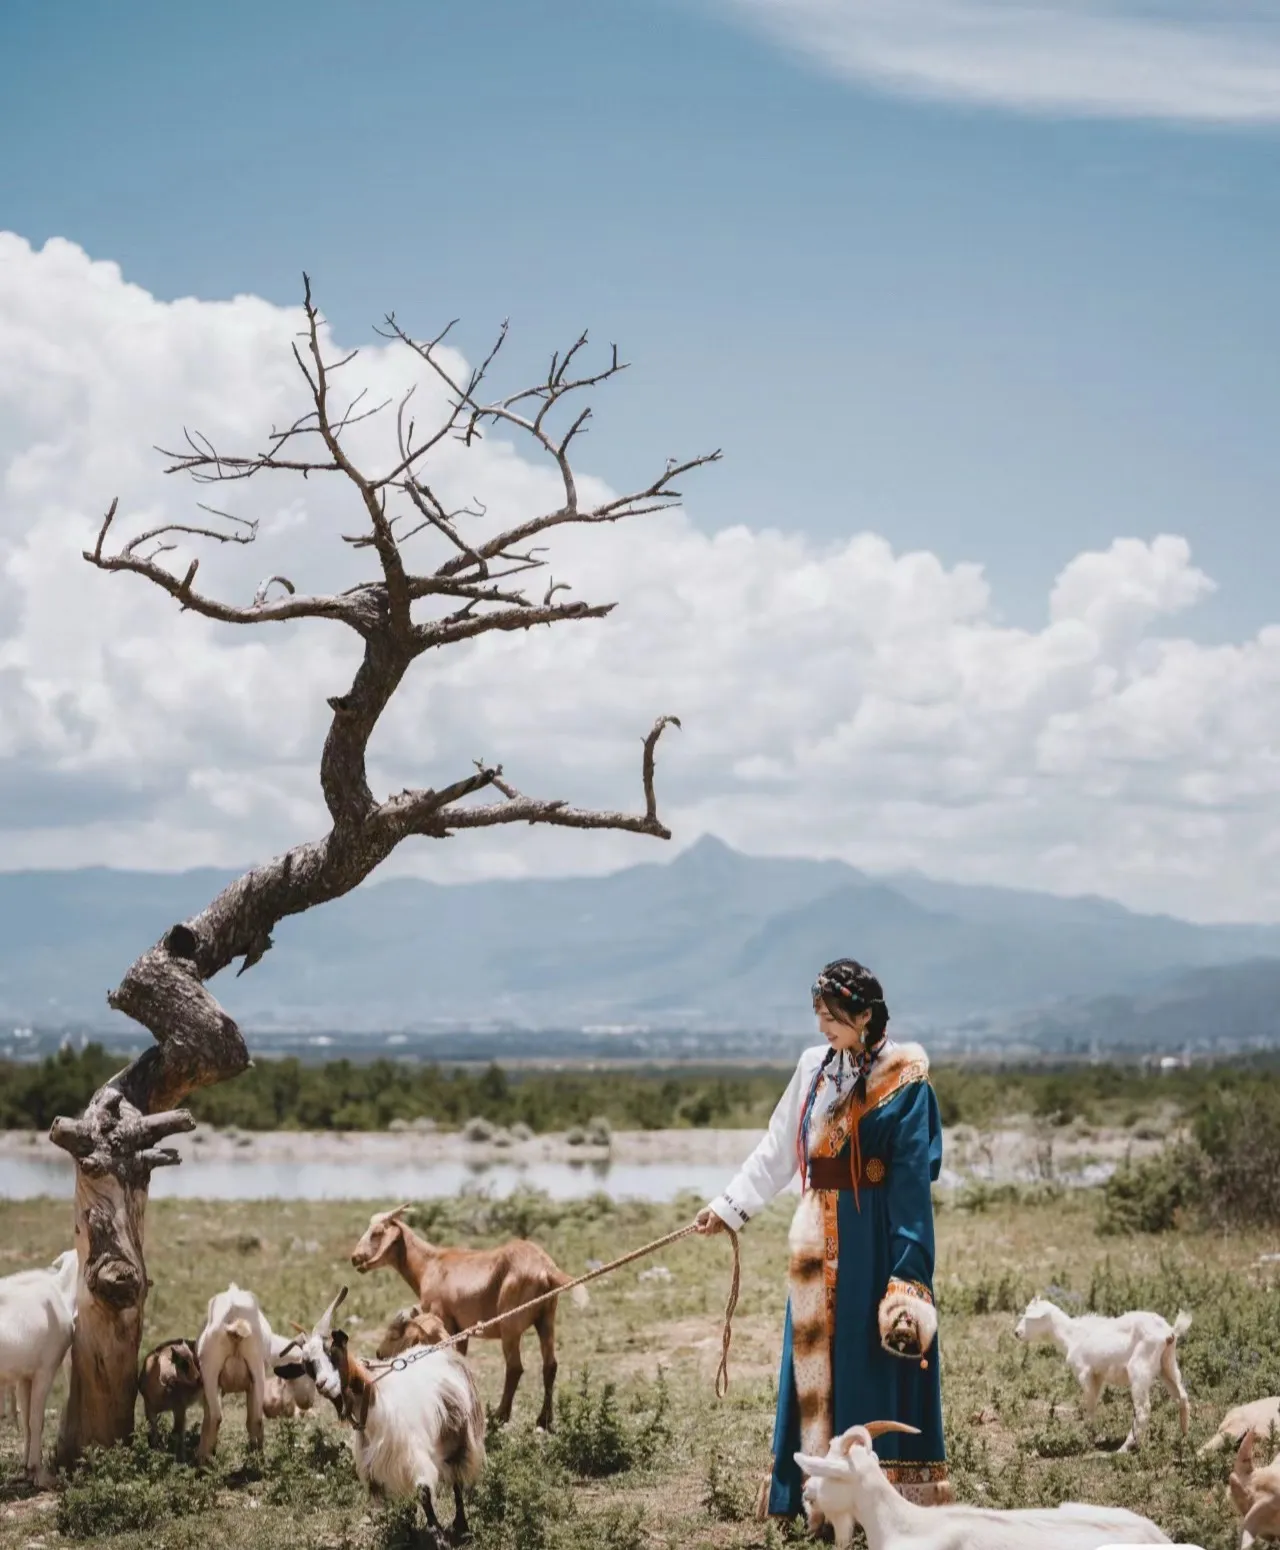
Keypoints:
pixel 23 1178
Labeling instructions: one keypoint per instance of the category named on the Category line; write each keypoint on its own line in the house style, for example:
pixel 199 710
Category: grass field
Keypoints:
pixel 649 1457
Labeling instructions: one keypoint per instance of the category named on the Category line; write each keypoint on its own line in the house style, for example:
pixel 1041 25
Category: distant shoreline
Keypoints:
pixel 1013 1152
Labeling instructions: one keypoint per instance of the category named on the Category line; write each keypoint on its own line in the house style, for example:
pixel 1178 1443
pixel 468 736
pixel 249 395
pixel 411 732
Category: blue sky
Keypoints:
pixel 1000 336
pixel 954 284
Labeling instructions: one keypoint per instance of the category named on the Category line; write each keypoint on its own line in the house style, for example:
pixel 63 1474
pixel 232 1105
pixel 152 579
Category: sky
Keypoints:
pixel 977 298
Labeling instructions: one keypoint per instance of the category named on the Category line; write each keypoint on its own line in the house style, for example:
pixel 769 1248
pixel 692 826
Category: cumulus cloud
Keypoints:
pixel 837 699
pixel 1171 60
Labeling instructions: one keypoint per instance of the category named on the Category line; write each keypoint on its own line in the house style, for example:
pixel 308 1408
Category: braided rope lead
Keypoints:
pixel 399 1363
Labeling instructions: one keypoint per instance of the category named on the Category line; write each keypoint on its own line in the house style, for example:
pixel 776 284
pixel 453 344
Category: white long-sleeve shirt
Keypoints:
pixel 774 1162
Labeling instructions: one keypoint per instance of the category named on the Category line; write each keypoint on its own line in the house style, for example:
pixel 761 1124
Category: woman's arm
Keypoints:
pixel 908 1321
pixel 769 1169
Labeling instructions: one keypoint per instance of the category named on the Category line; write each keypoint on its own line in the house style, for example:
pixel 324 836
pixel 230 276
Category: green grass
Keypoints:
pixel 645 1455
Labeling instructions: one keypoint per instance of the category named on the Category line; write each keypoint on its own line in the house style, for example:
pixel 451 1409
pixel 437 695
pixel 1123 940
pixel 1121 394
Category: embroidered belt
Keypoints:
pixel 837 1173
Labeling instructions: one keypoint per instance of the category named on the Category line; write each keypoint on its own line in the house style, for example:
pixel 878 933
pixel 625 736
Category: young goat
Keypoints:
pixel 848 1487
pixel 1135 1351
pixel 410 1327
pixel 169 1383
pixel 37 1321
pixel 1256 1494
pixel 415 1430
pixel 1258 1416
pixel 465 1286
pixel 235 1349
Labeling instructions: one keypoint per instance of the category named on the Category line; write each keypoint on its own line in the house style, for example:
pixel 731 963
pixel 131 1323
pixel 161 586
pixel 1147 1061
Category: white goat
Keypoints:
pixel 1256 1495
pixel 37 1321
pixel 236 1348
pixel 416 1429
pixel 1258 1416
pixel 848 1487
pixel 1135 1351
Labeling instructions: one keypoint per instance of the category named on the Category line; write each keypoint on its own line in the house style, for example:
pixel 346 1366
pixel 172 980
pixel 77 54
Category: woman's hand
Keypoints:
pixel 707 1222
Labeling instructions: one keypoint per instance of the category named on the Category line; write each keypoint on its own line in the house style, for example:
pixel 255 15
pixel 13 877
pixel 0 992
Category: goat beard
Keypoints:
pixel 810 1332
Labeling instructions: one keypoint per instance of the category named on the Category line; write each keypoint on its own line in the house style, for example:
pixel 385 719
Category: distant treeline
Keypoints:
pixel 343 1095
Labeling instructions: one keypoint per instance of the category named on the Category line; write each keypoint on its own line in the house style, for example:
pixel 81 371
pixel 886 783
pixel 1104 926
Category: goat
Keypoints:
pixel 1255 1494
pixel 1259 1416
pixel 409 1327
pixel 466 1286
pixel 848 1487
pixel 37 1321
pixel 415 1429
pixel 169 1382
pixel 8 1403
pixel 1135 1351
pixel 235 1349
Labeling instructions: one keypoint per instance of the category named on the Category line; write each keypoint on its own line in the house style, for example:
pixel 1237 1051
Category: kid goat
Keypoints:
pixel 234 1351
pixel 1135 1351
pixel 37 1320
pixel 466 1286
pixel 1256 1494
pixel 848 1487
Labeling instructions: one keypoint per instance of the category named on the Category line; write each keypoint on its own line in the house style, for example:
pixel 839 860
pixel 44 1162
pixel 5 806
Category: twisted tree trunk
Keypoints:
pixel 115 1141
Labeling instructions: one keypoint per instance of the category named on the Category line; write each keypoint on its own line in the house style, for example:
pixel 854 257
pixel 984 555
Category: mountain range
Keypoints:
pixel 712 940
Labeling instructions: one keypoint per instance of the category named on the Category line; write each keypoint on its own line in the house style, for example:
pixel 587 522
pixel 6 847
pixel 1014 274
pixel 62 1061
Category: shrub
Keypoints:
pixel 130 1487
pixel 599 1131
pixel 1239 1134
pixel 724 1497
pixel 592 1439
pixel 524 1497
pixel 575 1136
pixel 307 1466
pixel 1153 1196
pixel 478 1130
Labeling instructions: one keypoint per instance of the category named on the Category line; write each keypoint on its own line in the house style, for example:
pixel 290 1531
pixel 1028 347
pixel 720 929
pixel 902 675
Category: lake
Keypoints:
pixel 23 1178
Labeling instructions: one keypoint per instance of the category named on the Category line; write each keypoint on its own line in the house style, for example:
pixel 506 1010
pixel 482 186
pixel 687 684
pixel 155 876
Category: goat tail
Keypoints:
pixel 1180 1326
pixel 239 1329
pixel 580 1297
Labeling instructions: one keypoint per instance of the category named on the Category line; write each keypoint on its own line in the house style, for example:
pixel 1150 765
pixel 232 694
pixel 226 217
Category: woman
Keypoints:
pixel 861 1120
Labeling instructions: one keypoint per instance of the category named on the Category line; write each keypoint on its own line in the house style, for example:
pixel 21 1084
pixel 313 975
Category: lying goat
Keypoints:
pixel 848 1487
pixel 37 1321
pixel 463 1287
pixel 1258 1416
pixel 1135 1351
pixel 169 1383
pixel 1256 1495
pixel 236 1348
pixel 416 1430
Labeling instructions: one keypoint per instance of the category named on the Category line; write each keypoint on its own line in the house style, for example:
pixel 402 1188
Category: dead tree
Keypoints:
pixel 404 611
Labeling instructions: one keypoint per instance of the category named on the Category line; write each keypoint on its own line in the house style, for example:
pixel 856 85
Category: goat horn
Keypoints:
pixel 399 1211
pixel 293 1324
pixel 326 1318
pixel 878 1428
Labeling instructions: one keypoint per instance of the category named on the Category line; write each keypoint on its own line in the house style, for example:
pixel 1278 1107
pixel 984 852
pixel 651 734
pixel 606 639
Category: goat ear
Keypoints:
pixel 289 1370
pixel 828 1469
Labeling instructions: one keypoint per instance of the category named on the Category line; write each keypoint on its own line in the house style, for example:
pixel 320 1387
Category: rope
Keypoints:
pixel 399 1363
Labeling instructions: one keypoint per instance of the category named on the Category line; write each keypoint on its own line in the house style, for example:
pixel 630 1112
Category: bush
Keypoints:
pixel 130 1487
pixel 592 1439
pixel 724 1497
pixel 1239 1135
pixel 599 1131
pixel 1153 1196
pixel 575 1136
pixel 307 1466
pixel 478 1130
pixel 524 1497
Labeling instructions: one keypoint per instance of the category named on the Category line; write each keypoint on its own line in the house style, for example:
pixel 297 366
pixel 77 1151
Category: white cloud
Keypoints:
pixel 843 699
pixel 1158 59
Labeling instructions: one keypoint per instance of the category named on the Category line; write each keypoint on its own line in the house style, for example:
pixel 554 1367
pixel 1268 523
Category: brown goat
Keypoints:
pixel 409 1327
pixel 169 1383
pixel 462 1287
pixel 1255 1493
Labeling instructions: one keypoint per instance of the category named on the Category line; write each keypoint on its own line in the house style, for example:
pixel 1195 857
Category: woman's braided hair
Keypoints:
pixel 846 988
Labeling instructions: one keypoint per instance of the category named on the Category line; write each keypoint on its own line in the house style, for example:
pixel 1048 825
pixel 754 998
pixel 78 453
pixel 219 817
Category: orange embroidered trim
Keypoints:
pixel 912 1288
pixel 875 1170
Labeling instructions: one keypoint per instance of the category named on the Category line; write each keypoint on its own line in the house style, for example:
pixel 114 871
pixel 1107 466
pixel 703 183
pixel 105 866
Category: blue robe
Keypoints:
pixel 890 1236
